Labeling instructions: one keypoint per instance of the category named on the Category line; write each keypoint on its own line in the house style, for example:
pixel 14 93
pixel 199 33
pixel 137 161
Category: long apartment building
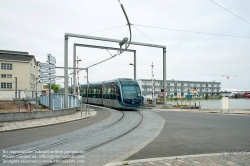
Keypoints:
pixel 178 88
pixel 19 71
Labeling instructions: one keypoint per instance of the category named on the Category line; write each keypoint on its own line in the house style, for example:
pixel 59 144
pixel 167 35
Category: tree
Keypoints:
pixel 55 87
pixel 206 97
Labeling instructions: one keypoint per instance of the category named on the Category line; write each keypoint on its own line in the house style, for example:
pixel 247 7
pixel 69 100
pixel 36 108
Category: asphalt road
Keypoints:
pixel 187 133
pixel 18 137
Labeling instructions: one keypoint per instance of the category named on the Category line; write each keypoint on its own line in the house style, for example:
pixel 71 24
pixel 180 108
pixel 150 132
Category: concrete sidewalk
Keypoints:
pixel 18 125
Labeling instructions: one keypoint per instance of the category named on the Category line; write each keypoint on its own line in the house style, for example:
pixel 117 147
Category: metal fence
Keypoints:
pixel 57 101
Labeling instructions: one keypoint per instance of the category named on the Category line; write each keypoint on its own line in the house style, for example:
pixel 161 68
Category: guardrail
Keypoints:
pixel 57 101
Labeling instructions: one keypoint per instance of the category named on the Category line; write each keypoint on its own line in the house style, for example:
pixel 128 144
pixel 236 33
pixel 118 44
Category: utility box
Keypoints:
pixel 225 103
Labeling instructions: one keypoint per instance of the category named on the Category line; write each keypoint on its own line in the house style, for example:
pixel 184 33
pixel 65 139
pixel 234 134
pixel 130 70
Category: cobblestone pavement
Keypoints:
pixel 218 159
pixel 15 125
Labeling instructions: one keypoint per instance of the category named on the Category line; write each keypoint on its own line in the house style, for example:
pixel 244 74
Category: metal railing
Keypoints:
pixel 57 101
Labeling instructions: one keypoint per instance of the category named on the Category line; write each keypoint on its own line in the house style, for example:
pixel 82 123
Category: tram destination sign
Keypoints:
pixel 45 81
pixel 47 71
pixel 51 59
pixel 46 76
pixel 46 65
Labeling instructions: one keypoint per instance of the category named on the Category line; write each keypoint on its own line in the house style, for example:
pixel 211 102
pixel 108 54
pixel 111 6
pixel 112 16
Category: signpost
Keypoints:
pixel 47 81
pixel 46 71
pixel 46 76
pixel 46 65
pixel 51 59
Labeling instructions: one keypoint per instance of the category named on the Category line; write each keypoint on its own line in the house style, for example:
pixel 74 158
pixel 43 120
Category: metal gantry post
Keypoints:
pixel 134 65
pixel 164 75
pixel 87 70
pixel 74 69
pixel 66 93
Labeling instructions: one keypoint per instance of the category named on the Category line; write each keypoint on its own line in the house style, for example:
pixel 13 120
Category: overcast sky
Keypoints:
pixel 38 27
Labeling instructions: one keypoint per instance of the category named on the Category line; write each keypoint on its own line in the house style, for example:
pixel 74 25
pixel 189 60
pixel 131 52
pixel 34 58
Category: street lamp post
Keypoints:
pixel 134 70
pixel 74 74
pixel 134 65
pixel 71 84
pixel 36 93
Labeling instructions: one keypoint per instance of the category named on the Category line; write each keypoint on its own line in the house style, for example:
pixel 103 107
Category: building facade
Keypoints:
pixel 19 71
pixel 178 88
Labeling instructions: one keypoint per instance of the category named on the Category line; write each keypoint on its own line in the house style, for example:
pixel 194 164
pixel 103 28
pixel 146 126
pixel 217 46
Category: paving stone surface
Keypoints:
pixel 219 159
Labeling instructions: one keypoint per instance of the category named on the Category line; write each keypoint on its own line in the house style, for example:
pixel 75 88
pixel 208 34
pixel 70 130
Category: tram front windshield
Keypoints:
pixel 130 90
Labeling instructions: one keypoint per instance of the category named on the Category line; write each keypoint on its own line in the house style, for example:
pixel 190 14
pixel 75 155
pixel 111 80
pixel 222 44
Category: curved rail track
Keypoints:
pixel 70 140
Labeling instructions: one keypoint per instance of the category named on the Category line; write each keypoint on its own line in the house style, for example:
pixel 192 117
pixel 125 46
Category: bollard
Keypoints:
pixel 81 110
pixel 88 110
pixel 181 105
pixel 199 106
pixel 190 105
pixel 85 110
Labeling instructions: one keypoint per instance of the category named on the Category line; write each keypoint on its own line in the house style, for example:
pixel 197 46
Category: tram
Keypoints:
pixel 118 93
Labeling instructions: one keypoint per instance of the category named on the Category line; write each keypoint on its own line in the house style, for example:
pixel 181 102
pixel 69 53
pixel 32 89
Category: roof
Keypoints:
pixel 15 56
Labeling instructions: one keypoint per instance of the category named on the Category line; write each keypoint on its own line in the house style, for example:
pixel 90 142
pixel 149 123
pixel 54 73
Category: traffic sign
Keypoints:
pixel 46 76
pixel 46 65
pixel 51 59
pixel 47 81
pixel 47 71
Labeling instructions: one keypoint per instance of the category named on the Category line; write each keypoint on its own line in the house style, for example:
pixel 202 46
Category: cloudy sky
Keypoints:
pixel 38 27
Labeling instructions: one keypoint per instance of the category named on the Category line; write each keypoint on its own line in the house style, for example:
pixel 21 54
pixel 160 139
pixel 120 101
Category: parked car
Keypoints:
pixel 246 95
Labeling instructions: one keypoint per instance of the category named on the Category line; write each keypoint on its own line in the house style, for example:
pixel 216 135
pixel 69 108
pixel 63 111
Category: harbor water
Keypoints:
pixel 215 104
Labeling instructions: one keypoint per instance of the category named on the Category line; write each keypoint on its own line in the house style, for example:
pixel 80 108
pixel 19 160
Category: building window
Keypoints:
pixel 6 66
pixel 32 77
pixel 6 85
pixel 32 86
pixel 6 75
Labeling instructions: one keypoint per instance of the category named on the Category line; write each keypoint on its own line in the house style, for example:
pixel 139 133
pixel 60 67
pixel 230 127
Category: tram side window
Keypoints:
pixel 94 92
pixel 83 92
pixel 104 92
pixel 98 92
pixel 108 92
pixel 90 93
pixel 117 93
pixel 112 94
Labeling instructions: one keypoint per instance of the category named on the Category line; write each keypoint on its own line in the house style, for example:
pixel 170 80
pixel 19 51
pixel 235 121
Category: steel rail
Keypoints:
pixel 64 141
pixel 96 146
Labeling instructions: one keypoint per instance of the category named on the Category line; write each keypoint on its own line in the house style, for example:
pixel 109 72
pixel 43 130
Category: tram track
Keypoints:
pixel 64 141
pixel 92 148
